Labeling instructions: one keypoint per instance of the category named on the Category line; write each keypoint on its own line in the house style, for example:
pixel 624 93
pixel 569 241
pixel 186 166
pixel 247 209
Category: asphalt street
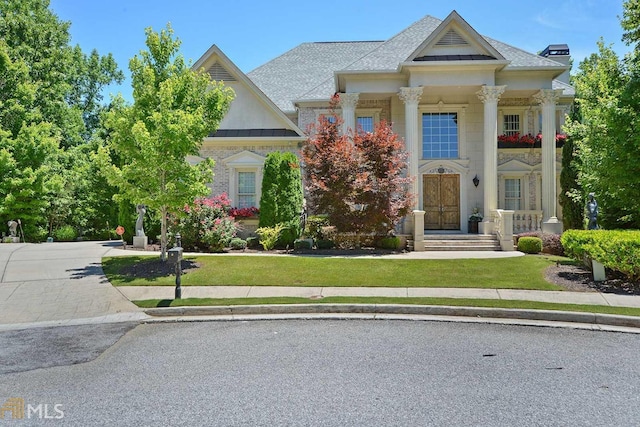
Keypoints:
pixel 339 373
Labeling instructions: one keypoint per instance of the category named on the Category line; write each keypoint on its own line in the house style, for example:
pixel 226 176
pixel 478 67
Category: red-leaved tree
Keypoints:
pixel 357 179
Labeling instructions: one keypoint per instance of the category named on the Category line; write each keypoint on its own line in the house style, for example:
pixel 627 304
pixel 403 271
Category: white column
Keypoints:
pixel 411 98
pixel 348 102
pixel 547 99
pixel 490 95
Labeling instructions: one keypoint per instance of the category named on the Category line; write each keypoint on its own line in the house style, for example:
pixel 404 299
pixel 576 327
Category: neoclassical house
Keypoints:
pixel 450 92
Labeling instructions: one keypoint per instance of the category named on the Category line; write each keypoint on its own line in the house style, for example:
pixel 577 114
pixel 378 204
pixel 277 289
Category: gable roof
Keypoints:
pixel 449 32
pixel 307 72
pixel 220 67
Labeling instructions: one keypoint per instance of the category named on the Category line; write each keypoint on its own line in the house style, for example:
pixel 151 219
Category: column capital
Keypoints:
pixel 411 95
pixel 547 96
pixel 490 93
pixel 349 100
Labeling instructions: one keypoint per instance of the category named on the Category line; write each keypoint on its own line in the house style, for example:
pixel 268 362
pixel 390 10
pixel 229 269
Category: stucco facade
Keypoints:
pixel 448 91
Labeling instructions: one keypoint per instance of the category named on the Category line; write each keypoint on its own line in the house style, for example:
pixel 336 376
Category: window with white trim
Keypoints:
pixel 511 124
pixel 365 123
pixel 246 185
pixel 513 194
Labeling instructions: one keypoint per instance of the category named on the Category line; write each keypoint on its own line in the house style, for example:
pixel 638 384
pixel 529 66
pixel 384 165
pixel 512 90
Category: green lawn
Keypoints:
pixel 498 273
pixel 466 302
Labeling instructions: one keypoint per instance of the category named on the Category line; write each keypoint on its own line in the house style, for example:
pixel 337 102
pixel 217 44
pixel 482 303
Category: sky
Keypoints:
pixel 252 32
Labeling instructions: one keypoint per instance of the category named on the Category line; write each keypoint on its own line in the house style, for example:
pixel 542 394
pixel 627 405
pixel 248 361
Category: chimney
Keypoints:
pixel 559 53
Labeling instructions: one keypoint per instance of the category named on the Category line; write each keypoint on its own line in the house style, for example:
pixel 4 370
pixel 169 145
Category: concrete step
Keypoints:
pixel 478 242
pixel 459 237
pixel 463 248
pixel 459 242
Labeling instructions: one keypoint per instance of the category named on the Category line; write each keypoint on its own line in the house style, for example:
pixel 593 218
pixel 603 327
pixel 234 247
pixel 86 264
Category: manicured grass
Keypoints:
pixel 467 302
pixel 499 273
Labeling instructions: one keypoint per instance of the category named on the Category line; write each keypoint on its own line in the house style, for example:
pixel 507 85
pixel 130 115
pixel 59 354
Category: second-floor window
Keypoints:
pixel 439 135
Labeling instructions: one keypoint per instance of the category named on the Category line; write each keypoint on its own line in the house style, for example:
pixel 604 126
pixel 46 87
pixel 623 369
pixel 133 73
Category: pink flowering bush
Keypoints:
pixel 206 224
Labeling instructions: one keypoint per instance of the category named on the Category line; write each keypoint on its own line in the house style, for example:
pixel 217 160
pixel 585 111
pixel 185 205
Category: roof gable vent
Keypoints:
pixel 452 38
pixel 218 72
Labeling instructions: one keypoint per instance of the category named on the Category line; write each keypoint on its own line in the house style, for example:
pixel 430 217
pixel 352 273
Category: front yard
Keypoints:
pixel 526 272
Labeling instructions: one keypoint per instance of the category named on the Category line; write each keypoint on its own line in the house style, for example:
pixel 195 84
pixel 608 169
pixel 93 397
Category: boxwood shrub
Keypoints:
pixel 530 245
pixel 392 243
pixel 617 250
pixel 237 243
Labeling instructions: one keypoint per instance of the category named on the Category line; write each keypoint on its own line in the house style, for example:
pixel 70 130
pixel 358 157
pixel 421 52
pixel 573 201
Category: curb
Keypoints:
pixel 230 313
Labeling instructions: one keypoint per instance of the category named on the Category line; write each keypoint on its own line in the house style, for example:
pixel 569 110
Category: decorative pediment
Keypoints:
pixel 441 166
pixel 244 159
pixel 515 165
pixel 455 40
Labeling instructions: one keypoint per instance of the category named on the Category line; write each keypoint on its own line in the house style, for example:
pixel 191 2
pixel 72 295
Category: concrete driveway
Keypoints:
pixel 58 283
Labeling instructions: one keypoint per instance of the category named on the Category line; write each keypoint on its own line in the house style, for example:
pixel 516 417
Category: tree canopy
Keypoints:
pixel 50 101
pixel 607 130
pixel 174 108
pixel 357 179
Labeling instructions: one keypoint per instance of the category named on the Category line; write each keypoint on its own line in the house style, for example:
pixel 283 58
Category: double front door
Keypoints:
pixel 441 201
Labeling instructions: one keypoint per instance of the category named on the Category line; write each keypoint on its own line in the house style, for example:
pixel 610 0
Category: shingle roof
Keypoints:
pixel 307 71
pixel 568 89
pixel 304 67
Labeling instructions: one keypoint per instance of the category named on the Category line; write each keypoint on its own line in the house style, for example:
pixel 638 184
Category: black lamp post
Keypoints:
pixel 175 256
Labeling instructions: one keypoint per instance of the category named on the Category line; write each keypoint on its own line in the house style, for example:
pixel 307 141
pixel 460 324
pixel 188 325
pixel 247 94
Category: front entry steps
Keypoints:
pixel 459 242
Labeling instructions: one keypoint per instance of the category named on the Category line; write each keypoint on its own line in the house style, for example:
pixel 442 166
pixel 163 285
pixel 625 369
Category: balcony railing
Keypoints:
pixel 526 221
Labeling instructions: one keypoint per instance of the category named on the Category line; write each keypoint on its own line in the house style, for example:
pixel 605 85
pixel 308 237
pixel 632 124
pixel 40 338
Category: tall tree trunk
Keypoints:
pixel 163 234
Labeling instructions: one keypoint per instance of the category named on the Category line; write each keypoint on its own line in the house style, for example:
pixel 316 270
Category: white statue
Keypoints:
pixel 13 228
pixel 142 209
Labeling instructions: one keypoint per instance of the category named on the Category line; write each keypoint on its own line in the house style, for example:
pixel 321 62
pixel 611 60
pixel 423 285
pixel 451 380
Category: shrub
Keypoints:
pixel 551 243
pixel 302 244
pixel 324 244
pixel 206 224
pixel 253 242
pixel 237 243
pixel 353 240
pixel 269 236
pixel 315 225
pixel 66 233
pixel 290 232
pixel 530 245
pixel 617 250
pixel 392 243
pixel 40 234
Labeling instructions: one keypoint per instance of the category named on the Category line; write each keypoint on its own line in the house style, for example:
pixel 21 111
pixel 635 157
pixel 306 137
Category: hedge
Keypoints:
pixel 615 249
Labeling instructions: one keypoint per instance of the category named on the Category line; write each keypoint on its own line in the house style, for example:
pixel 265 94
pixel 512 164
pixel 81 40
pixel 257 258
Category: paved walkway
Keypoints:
pixel 59 283
pixel 136 293
pixel 63 283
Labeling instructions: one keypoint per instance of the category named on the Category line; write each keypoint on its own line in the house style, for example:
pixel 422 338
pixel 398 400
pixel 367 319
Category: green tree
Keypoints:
pixel 174 108
pixel 50 98
pixel 571 196
pixel 607 137
pixel 281 198
pixel 631 22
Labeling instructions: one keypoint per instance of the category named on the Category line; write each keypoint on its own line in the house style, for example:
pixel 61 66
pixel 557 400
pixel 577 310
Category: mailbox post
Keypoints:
pixel 175 257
